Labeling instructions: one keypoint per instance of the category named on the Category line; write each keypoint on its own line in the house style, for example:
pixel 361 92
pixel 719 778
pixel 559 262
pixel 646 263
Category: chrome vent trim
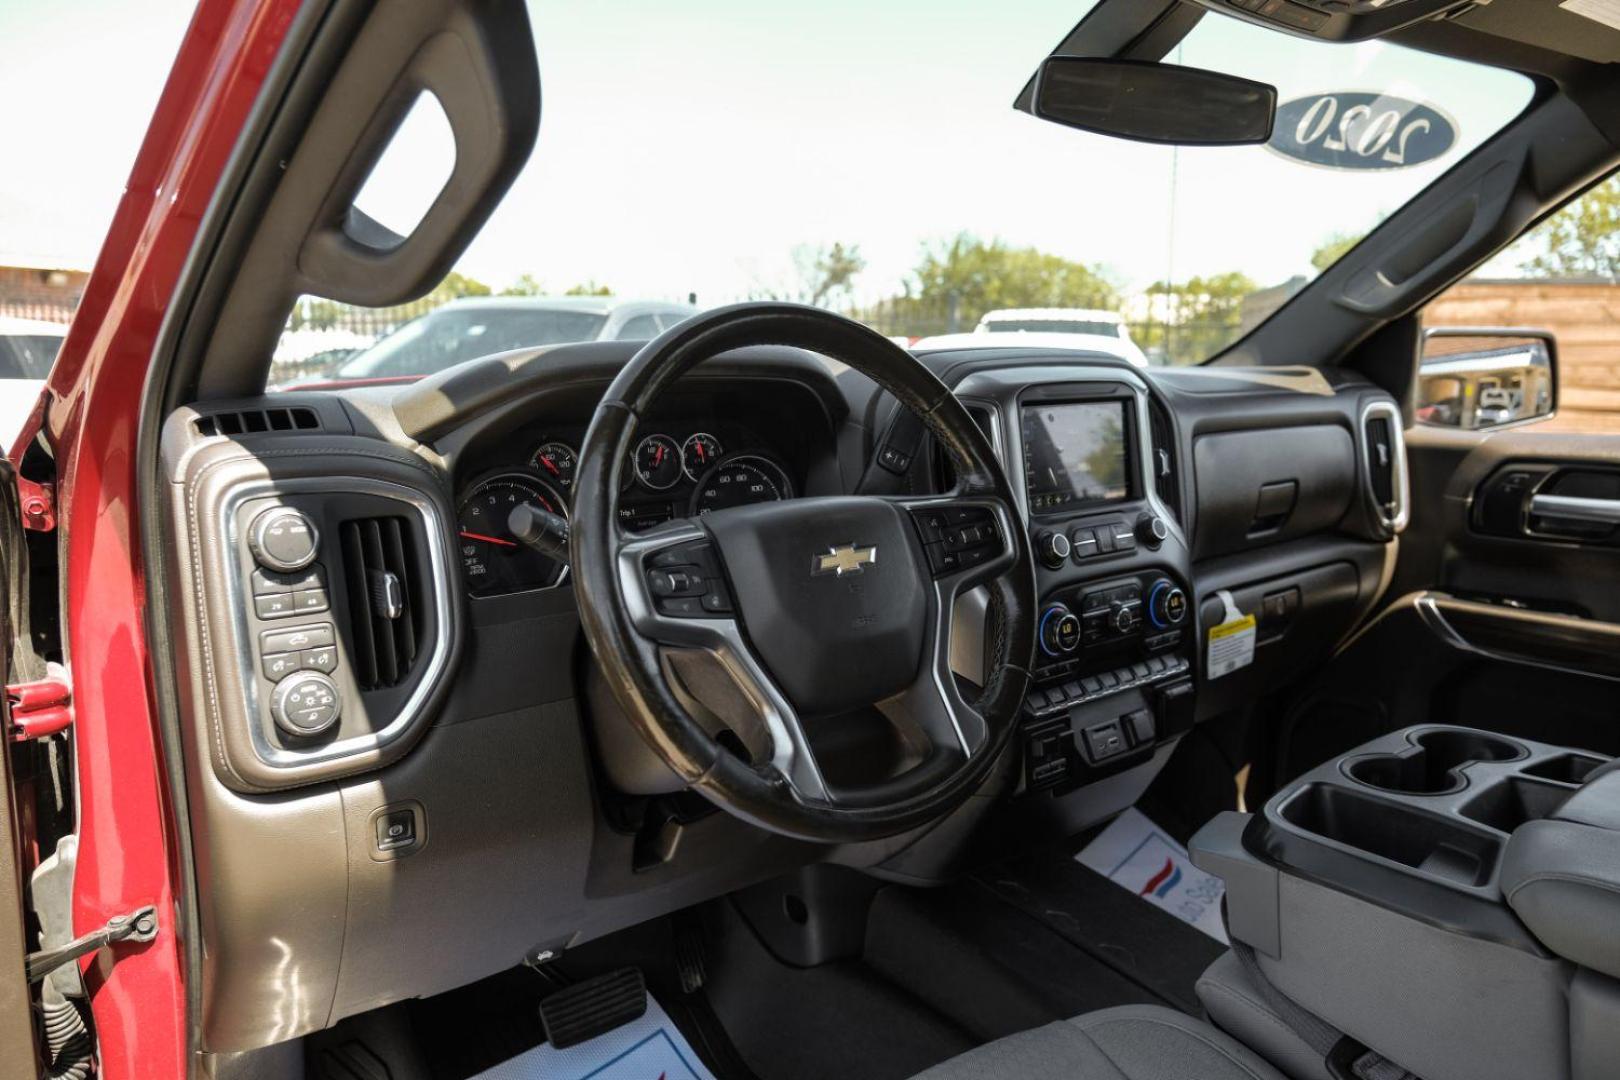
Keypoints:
pixel 1395 511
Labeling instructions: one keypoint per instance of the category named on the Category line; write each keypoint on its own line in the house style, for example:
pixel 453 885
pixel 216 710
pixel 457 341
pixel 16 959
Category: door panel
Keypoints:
pixel 1500 616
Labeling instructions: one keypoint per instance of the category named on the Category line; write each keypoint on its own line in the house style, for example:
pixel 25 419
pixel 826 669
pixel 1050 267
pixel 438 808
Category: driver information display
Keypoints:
pixel 1074 454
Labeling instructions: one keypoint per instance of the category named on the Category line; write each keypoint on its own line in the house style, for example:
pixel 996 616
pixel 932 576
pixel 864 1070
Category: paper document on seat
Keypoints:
pixel 646 1049
pixel 1136 854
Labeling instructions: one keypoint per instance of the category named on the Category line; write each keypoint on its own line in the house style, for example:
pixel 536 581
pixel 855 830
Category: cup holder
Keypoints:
pixel 1434 763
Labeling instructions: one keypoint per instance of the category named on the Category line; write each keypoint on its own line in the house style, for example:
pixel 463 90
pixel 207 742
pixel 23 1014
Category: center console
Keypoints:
pixel 1448 897
pixel 1113 675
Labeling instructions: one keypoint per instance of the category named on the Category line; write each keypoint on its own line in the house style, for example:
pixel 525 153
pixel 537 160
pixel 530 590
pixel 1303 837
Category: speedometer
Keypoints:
pixel 739 481
pixel 492 561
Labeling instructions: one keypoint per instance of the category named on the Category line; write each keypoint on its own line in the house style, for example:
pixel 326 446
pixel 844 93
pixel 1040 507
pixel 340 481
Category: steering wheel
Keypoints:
pixel 815 606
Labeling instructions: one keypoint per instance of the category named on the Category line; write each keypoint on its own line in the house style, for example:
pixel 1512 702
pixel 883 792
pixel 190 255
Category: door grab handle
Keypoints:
pixel 1572 508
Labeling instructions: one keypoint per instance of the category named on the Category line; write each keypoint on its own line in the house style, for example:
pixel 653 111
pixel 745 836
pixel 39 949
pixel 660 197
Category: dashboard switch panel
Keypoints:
pixel 283 538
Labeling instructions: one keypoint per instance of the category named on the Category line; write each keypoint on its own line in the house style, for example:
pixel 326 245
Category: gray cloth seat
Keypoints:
pixel 1131 1042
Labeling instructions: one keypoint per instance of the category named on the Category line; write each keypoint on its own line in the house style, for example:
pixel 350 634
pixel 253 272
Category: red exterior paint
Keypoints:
pixel 127 853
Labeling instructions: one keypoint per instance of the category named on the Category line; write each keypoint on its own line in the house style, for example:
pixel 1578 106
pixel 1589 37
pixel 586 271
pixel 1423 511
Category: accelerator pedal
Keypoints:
pixel 594 1007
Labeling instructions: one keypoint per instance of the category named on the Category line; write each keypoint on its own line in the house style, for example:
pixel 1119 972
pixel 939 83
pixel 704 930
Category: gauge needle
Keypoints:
pixel 548 463
pixel 701 455
pixel 658 457
pixel 487 539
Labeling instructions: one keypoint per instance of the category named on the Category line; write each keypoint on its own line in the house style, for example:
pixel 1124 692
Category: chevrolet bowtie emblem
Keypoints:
pixel 844 559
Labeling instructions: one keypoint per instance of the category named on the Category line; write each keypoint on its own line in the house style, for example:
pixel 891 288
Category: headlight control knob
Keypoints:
pixel 305 703
pixel 283 539
pixel 1060 631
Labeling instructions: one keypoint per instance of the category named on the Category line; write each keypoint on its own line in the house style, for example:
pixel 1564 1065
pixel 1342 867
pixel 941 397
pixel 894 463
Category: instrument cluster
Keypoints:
pixel 672 472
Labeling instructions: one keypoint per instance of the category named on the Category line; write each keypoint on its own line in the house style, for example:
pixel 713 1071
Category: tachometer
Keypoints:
pixel 558 462
pixel 492 561
pixel 698 454
pixel 658 462
pixel 739 481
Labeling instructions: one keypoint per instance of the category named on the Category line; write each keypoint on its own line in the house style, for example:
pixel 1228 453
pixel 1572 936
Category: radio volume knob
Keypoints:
pixel 1151 531
pixel 1060 631
pixel 1052 547
pixel 283 539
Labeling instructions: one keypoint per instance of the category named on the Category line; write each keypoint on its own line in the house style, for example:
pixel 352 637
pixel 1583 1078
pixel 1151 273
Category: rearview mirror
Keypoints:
pixel 1153 102
pixel 1473 378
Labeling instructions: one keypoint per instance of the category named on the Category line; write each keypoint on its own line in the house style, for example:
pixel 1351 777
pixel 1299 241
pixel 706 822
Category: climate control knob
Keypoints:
pixel 1167 604
pixel 283 539
pixel 1060 631
pixel 306 703
pixel 1052 547
pixel 1125 618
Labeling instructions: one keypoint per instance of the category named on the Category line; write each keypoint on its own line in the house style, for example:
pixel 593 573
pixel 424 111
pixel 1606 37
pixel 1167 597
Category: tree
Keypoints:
pixel 1582 239
pixel 525 285
pixel 821 275
pixel 1333 248
pixel 1192 320
pixel 973 276
pixel 589 288
pixel 455 286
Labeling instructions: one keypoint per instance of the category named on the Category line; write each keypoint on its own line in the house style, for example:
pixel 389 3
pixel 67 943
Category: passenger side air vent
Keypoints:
pixel 385 602
pixel 257 422
pixel 1385 450
pixel 1162 448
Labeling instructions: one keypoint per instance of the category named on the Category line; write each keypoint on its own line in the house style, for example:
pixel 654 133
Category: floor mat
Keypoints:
pixel 1137 855
pixel 649 1047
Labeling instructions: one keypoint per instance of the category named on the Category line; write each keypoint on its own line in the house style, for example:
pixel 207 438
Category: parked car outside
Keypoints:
pixel 28 347
pixel 1085 329
pixel 469 328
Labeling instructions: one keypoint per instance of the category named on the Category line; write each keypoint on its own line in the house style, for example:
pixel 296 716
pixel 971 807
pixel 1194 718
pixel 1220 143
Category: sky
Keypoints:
pixel 689 148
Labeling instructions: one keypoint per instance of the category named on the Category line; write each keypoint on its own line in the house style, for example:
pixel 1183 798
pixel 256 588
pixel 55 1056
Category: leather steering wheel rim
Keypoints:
pixel 631 661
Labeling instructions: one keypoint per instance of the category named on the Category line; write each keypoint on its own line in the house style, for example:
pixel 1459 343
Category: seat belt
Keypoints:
pixel 1342 1054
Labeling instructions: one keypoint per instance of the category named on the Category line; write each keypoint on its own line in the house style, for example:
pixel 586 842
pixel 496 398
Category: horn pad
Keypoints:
pixel 832 595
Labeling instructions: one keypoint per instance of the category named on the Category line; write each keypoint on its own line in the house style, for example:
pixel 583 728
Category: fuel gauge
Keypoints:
pixel 699 453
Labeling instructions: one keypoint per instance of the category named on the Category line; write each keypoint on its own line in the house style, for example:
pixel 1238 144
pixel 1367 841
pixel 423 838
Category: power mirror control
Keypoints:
pixel 283 538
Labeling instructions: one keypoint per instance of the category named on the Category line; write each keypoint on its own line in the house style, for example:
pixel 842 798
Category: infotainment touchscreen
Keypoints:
pixel 1074 454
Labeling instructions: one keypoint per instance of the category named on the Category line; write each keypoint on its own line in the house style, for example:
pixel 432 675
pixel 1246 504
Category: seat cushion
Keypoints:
pixel 1132 1042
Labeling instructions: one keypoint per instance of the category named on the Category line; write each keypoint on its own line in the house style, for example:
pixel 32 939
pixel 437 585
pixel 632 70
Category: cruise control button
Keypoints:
pixel 297 638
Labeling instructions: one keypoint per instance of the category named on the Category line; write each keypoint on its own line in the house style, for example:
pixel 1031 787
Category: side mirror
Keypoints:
pixel 1484 377
pixel 1153 102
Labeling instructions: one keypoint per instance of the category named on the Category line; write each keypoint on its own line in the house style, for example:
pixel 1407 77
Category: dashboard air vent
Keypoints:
pixel 1162 439
pixel 1385 448
pixel 257 422
pixel 985 417
pixel 381 576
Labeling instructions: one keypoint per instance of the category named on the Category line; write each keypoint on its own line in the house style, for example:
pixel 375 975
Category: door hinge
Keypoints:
pixel 38 502
pixel 139 925
pixel 39 709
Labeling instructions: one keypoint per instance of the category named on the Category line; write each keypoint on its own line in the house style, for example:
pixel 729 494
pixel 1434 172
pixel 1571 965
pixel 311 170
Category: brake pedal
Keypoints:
pixel 594 1007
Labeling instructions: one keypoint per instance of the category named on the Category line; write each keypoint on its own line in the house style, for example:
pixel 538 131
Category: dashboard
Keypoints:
pixel 393 730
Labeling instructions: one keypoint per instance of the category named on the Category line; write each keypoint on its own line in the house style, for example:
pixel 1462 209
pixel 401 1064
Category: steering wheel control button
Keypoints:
pixel 1053 548
pixel 283 538
pixel 296 639
pixel 957 538
pixel 685 582
pixel 305 704
pixel 1059 631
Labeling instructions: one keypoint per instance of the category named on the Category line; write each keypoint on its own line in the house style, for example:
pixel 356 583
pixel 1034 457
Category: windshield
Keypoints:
pixel 876 167
pixel 1051 326
pixel 446 337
